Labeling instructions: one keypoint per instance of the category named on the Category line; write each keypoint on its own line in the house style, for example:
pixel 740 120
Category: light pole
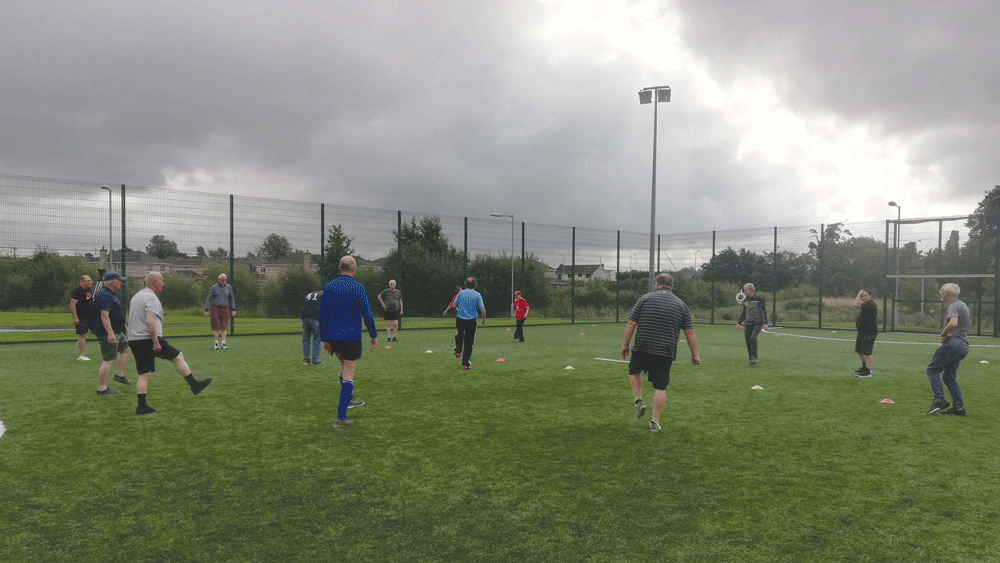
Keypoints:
pixel 696 265
pixel 895 299
pixel 110 221
pixel 646 97
pixel 511 258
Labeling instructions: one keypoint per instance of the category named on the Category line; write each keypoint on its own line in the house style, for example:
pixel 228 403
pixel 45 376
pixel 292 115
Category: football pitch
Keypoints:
pixel 520 460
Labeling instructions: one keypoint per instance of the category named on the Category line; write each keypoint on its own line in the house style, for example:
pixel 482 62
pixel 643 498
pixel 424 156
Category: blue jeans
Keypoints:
pixel 310 337
pixel 944 366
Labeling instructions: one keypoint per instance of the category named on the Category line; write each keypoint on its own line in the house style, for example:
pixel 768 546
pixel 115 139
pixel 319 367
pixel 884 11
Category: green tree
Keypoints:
pixel 274 246
pixel 200 252
pixel 283 296
pixel 162 247
pixel 338 245
pixel 218 254
pixel 983 223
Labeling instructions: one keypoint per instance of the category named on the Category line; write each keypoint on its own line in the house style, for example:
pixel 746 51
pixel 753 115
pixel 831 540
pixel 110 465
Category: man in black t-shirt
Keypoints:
pixel 867 325
pixel 81 306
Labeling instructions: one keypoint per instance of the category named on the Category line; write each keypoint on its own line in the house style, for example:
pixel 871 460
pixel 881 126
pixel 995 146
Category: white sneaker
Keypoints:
pixel 224 347
pixel 83 358
pixel 216 344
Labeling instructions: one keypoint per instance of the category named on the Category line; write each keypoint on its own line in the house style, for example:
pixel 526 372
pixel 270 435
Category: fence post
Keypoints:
pixel 618 276
pixel 399 247
pixel 124 246
pixel 522 255
pixel 774 289
pixel 465 252
pixel 572 282
pixel 819 252
pixel 712 291
pixel 232 257
pixel 322 242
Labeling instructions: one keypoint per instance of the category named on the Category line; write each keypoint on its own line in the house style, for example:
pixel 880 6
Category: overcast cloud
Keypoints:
pixel 783 112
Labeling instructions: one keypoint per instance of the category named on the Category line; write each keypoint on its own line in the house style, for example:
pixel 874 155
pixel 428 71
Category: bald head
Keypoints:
pixel 348 265
pixel 154 281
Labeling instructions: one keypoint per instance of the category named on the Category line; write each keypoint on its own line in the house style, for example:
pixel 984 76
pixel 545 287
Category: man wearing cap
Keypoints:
pixel 145 333
pixel 220 304
pixel 108 325
pixel 520 313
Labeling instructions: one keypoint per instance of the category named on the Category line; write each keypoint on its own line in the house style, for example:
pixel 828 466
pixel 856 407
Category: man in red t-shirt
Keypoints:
pixel 520 313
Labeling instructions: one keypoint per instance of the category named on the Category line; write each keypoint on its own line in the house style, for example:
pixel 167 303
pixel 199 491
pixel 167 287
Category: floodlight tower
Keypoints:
pixel 646 97
pixel 110 222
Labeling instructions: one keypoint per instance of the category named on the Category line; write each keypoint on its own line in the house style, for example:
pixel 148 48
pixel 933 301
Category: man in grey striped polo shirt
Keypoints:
pixel 656 320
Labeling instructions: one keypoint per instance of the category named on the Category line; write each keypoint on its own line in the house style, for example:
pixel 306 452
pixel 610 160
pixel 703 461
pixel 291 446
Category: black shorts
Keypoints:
pixel 347 351
pixel 142 351
pixel 391 315
pixel 865 343
pixel 657 367
pixel 82 328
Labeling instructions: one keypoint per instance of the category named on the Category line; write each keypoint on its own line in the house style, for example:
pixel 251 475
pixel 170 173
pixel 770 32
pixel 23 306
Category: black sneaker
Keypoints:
pixel 640 408
pixel 121 379
pixel 863 373
pixel 318 362
pixel 394 339
pixel 954 411
pixel 355 403
pixel 938 406
pixel 200 386
pixel 108 391
pixel 144 409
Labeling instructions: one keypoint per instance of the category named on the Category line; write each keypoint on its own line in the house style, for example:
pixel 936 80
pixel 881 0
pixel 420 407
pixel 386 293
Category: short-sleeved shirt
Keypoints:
pixel 310 306
pixel 105 300
pixel 145 302
pixel 660 316
pixel 391 297
pixel 84 302
pixel 221 295
pixel 520 308
pixel 342 307
pixel 959 337
pixel 469 302
pixel 867 321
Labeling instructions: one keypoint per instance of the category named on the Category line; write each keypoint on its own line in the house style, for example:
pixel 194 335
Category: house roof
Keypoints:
pixel 583 269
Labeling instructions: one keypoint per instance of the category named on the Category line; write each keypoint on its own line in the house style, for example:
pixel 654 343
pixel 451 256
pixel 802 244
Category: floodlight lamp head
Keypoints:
pixel 645 96
pixel 663 95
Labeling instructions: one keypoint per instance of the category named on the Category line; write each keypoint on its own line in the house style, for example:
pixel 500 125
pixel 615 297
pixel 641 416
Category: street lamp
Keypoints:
pixel 511 258
pixel 895 304
pixel 110 222
pixel 646 97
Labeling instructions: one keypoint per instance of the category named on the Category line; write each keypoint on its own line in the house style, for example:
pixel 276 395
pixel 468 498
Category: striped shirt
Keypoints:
pixel 660 317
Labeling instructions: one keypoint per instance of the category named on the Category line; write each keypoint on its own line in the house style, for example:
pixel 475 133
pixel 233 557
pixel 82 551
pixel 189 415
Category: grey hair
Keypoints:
pixel 749 286
pixel 951 288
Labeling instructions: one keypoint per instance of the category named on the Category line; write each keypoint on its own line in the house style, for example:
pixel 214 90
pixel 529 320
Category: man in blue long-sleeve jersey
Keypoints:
pixel 341 309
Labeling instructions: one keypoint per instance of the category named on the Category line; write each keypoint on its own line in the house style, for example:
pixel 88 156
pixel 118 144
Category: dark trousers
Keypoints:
pixel 750 332
pixel 519 332
pixel 465 338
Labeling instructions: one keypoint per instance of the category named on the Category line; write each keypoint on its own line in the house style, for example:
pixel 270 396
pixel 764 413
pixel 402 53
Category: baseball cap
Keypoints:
pixel 113 276
pixel 517 293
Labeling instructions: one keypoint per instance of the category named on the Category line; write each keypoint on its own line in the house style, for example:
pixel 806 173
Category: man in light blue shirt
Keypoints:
pixel 469 304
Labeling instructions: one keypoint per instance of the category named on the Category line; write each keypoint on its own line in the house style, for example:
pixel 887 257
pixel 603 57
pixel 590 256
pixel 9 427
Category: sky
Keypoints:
pixel 783 113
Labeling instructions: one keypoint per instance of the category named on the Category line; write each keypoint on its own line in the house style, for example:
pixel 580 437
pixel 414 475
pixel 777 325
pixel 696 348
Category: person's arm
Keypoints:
pixel 380 301
pixel 208 300
pixel 72 309
pixel 948 328
pixel 400 304
pixel 232 300
pixel 743 317
pixel 483 313
pixel 629 330
pixel 151 330
pixel 763 311
pixel 858 301
pixel 692 341
pixel 526 309
pixel 106 321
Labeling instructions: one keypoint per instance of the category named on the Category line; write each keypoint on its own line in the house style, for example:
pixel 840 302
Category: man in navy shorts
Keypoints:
pixel 145 338
pixel 341 309
pixel 656 320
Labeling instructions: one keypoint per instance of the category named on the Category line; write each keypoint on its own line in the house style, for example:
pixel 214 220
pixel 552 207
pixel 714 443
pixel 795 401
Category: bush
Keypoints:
pixel 181 293
pixel 283 296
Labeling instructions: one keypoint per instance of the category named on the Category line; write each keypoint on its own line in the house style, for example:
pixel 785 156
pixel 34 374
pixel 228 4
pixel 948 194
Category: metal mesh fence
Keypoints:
pixel 275 251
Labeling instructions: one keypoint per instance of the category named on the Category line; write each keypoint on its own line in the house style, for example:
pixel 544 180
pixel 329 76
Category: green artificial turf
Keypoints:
pixel 521 460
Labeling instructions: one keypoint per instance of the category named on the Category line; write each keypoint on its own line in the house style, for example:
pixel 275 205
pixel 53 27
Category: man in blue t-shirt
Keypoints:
pixel 109 325
pixel 342 307
pixel 469 304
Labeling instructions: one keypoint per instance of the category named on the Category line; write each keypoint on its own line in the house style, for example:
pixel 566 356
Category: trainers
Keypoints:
pixel 224 347
pixel 752 364
pixel 216 345
pixel 121 379
pixel 83 358
pixel 317 362
pixel 654 426
pixel 355 403
pixel 863 372
pixel 108 391
pixel 457 355
pixel 144 409
pixel 342 422
pixel 200 386
pixel 466 368
pixel 938 406
pixel 954 411
pixel 306 363
pixel 640 408
pixel 394 339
